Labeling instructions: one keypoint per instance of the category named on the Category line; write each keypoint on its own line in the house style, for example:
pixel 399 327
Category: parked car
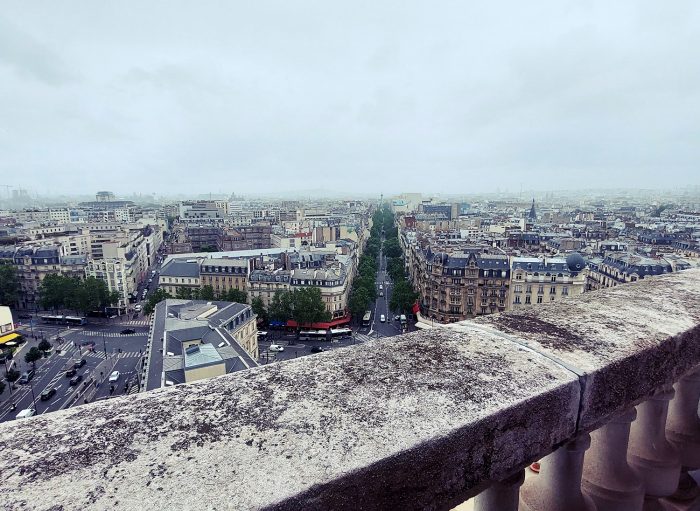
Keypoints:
pixel 114 376
pixel 128 331
pixel 76 379
pixel 70 373
pixel 80 363
pixel 276 347
pixel 382 318
pixel 317 349
pixel 138 307
pixel 26 377
pixel 27 412
pixel 47 394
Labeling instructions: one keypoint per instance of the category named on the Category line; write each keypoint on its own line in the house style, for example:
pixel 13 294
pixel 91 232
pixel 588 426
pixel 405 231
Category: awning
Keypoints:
pixel 9 337
pixel 323 325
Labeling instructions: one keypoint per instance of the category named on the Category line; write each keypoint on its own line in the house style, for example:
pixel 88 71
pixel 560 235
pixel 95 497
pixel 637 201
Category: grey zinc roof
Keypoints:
pixel 178 268
pixel 201 355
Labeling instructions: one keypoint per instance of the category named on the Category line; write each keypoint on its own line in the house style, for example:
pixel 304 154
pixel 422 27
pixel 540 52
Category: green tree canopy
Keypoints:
pixel 44 345
pixel 259 309
pixel 32 356
pixel 308 306
pixel 235 295
pixel 158 296
pixel 392 248
pixel 9 284
pixel 402 297
pixel 206 293
pixel 359 302
pixel 281 306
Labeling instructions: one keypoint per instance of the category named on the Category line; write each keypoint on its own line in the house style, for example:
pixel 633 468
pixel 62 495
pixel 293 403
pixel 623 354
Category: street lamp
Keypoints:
pixel 31 387
pixel 104 344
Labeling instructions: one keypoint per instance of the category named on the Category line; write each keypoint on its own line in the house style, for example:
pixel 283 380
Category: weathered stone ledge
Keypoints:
pixel 420 421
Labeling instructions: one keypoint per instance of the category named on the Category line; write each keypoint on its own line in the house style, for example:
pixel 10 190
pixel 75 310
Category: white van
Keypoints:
pixel 382 318
pixel 27 412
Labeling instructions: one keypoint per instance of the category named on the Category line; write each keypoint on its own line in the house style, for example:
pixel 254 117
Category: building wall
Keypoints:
pixel 6 322
pixel 200 373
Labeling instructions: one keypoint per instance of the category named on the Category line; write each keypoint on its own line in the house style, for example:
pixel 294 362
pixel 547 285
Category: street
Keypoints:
pixel 376 330
pixel 112 351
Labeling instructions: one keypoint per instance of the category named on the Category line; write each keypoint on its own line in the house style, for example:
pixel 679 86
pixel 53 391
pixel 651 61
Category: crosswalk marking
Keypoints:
pixel 94 333
pixel 364 337
pixel 124 354
pixel 137 322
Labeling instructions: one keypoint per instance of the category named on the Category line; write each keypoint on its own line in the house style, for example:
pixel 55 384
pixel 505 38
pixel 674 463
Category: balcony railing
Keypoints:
pixel 420 421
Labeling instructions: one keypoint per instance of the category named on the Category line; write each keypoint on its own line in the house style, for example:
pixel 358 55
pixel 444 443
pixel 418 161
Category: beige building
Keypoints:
pixel 544 280
pixel 265 283
pixel 223 274
pixel 178 273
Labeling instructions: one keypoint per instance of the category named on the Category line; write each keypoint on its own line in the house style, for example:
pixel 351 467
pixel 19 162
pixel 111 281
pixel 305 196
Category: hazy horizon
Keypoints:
pixel 267 98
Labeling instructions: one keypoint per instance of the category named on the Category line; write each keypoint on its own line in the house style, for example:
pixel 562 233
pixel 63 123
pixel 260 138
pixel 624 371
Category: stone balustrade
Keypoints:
pixel 603 389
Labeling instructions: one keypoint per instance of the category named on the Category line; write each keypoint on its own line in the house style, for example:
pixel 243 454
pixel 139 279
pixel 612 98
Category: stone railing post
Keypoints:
pixel 558 485
pixel 501 495
pixel 607 478
pixel 650 454
pixel 683 431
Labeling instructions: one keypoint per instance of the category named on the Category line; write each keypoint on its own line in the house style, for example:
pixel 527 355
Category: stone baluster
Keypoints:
pixel 558 485
pixel 650 454
pixel 501 495
pixel 683 432
pixel 607 478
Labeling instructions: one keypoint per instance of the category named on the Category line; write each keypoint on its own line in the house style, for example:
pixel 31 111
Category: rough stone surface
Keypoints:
pixel 409 423
pixel 627 341
pixel 420 421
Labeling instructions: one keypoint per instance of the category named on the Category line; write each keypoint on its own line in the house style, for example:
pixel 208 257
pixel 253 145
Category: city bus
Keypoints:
pixel 367 318
pixel 52 320
pixel 312 335
pixel 339 333
pixel 74 320
pixel 63 320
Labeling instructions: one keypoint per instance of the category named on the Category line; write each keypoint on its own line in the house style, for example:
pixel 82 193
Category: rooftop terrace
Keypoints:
pixel 419 421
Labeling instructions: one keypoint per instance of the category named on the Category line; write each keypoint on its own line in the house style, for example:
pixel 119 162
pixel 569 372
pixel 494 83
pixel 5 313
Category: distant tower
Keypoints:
pixel 381 199
pixel 532 215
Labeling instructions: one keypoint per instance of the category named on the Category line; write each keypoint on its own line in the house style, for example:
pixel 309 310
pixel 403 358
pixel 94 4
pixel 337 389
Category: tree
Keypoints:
pixel 206 293
pixel 53 291
pixel 158 296
pixel 259 309
pixel 32 356
pixel 392 248
pixel 402 297
pixel 2 386
pixel 9 284
pixel 308 306
pixel 235 295
pixel 359 301
pixel 183 293
pixel 209 248
pixel 281 306
pixel 12 375
pixel 91 294
pixel 44 345
pixel 395 268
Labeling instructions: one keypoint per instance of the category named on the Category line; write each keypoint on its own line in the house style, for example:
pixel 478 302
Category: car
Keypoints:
pixel 114 376
pixel 382 318
pixel 276 347
pixel 70 373
pixel 138 307
pixel 27 412
pixel 128 331
pixel 80 363
pixel 381 293
pixel 76 379
pixel 397 317
pixel 150 280
pixel 381 287
pixel 317 349
pixel 47 394
pixel 26 377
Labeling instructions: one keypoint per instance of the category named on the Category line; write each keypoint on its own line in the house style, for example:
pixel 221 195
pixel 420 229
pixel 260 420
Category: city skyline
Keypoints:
pixel 266 98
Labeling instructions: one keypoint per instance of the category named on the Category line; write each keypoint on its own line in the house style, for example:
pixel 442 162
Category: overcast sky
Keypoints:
pixel 377 96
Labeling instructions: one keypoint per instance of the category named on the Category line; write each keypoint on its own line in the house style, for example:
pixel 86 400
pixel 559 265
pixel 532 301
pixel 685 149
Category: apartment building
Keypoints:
pixel 265 283
pixel 223 274
pixel 115 274
pixel 333 282
pixel 178 273
pixel 620 268
pixel 545 280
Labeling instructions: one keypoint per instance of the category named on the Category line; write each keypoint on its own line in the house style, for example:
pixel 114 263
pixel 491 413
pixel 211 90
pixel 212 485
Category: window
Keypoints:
pixel 539 299
pixel 518 288
pixel 528 289
pixel 527 299
pixel 565 291
pixel 540 290
pixel 554 279
pixel 517 300
pixel 553 290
